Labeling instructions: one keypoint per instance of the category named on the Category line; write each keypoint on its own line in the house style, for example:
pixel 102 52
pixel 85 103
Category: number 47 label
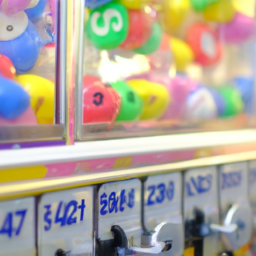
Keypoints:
pixel 17 227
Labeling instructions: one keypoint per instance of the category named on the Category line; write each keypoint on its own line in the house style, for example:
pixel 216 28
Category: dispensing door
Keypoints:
pixel 201 210
pixel 234 204
pixel 65 223
pixel 17 227
pixel 163 204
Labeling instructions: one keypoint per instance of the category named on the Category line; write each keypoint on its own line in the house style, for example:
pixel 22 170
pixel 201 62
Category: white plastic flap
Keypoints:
pixel 163 203
pixel 65 221
pixel 200 191
pixel 17 227
pixel 119 203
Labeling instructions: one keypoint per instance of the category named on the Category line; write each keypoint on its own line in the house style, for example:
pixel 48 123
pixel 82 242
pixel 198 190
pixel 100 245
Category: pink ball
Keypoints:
pixel 237 30
pixel 179 88
pixel 27 118
pixel 11 7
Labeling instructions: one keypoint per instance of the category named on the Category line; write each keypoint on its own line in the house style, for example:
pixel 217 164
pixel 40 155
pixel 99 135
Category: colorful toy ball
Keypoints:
pixel 233 101
pixel 204 43
pixel 245 87
pixel 12 7
pixel 133 4
pixel 36 12
pixel 101 104
pixel 7 69
pixel 155 96
pixel 239 29
pixel 174 13
pixel 221 11
pixel 140 28
pixel 153 42
pixel 42 96
pixel 22 50
pixel 201 105
pixel 200 5
pixel 14 100
pixel 131 104
pixel 107 26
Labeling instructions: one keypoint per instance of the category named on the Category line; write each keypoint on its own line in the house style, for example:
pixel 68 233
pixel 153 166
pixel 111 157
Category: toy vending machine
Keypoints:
pixel 32 79
pixel 200 210
pixel 149 67
pixel 235 208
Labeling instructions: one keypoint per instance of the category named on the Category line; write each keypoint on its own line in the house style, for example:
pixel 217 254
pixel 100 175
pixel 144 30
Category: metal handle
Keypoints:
pixel 232 228
pixel 157 248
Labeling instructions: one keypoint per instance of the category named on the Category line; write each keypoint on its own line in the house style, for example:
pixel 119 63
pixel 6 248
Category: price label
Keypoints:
pixel 201 192
pixel 119 204
pixel 233 184
pixel 163 203
pixel 17 227
pixel 66 222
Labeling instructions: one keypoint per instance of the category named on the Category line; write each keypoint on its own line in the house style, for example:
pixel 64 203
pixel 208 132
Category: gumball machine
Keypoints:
pixel 171 63
pixel 31 71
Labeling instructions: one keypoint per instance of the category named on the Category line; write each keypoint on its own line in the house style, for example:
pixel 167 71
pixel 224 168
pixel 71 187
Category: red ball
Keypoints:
pixel 101 104
pixel 7 69
pixel 205 44
pixel 140 28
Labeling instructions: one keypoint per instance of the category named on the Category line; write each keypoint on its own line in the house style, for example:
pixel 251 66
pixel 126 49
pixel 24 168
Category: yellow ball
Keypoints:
pixel 246 7
pixel 42 99
pixel 221 11
pixel 155 97
pixel 174 12
pixel 182 53
pixel 133 4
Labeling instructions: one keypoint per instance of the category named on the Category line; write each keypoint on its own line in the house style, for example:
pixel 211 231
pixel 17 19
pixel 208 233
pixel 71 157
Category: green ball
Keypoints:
pixel 131 104
pixel 200 5
pixel 233 101
pixel 153 43
pixel 107 26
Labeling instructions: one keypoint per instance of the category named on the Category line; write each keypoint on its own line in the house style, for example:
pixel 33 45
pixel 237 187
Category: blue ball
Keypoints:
pixel 23 51
pixel 36 12
pixel 245 86
pixel 14 100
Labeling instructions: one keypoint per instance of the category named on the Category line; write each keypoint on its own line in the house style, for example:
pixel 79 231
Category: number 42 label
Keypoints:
pixel 17 227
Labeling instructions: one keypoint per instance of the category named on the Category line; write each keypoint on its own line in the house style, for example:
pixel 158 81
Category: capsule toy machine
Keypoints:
pixel 65 223
pixel 119 229
pixel 252 195
pixel 32 72
pixel 235 207
pixel 148 67
pixel 17 227
pixel 200 211
pixel 163 204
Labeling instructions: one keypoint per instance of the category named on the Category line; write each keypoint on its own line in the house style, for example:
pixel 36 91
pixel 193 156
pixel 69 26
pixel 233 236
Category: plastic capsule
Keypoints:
pixel 42 96
pixel 133 4
pixel 14 100
pixel 153 42
pixel 221 11
pixel 107 26
pixel 101 104
pixel 140 28
pixel 205 44
pixel 131 104
pixel 36 12
pixel 239 29
pixel 155 96
pixel 174 13
pixel 20 41
pixel 182 53
pixel 7 69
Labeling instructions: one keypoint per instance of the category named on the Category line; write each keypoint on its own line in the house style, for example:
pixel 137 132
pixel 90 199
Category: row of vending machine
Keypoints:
pixel 198 212
pixel 83 70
